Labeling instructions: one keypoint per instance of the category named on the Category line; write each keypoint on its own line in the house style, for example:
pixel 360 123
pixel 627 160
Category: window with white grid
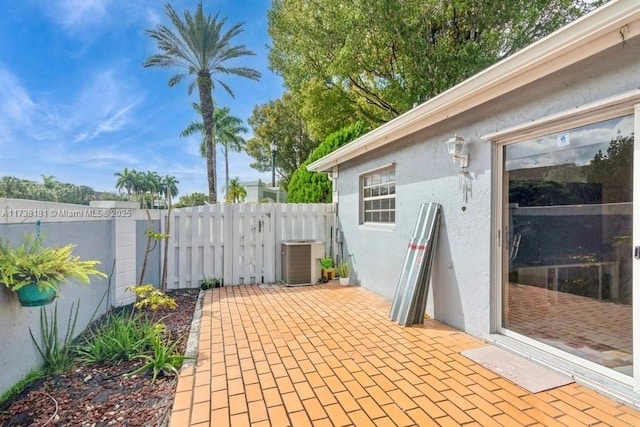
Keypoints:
pixel 378 196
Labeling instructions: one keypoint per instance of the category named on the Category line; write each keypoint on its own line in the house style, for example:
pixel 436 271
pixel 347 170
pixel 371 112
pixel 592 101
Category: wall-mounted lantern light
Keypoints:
pixel 457 148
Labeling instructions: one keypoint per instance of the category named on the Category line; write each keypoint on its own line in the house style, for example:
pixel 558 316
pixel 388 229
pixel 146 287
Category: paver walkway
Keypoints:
pixel 325 355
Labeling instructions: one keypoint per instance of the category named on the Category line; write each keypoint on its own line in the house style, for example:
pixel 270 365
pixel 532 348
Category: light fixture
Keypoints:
pixel 273 148
pixel 457 148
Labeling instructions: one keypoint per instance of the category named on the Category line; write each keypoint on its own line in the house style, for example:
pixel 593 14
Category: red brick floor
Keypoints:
pixel 328 356
pixel 595 330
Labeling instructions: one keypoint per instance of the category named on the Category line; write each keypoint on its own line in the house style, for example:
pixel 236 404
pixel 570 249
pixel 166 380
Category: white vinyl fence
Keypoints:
pixel 240 243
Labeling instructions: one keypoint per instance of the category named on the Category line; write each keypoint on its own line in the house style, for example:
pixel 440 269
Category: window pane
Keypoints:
pixel 380 186
pixel 569 254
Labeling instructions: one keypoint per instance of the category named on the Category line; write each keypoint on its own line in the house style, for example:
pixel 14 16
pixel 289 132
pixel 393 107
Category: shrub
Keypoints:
pixel 313 187
pixel 155 299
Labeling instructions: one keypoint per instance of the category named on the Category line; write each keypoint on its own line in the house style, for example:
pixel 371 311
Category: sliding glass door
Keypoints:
pixel 567 260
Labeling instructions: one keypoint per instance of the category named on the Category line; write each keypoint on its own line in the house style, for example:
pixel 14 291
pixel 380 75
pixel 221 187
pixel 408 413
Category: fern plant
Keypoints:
pixel 47 267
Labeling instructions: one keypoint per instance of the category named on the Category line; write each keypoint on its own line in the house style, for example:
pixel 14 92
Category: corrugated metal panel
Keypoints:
pixel 410 299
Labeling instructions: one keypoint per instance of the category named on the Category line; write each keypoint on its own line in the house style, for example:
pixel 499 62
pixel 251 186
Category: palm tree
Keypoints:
pixel 236 192
pixel 201 49
pixel 226 132
pixel 126 180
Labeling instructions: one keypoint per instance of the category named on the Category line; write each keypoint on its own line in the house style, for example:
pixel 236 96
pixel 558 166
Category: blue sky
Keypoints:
pixel 76 103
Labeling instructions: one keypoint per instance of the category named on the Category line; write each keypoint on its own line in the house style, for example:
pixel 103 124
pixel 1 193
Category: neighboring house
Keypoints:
pixel 535 247
pixel 260 192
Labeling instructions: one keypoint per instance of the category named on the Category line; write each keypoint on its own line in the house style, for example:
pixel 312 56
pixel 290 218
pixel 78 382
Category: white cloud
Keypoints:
pixel 112 122
pixel 19 114
pixel 105 104
pixel 75 14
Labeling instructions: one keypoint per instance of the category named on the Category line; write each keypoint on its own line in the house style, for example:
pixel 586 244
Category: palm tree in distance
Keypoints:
pixel 235 192
pixel 126 180
pixel 201 48
pixel 226 131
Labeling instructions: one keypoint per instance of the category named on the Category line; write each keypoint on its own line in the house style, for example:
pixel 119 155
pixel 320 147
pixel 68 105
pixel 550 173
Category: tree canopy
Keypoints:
pixel 374 59
pixel 314 187
pixel 51 190
pixel 279 122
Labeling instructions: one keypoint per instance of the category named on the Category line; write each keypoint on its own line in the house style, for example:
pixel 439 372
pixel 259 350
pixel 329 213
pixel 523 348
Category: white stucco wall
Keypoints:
pixel 461 276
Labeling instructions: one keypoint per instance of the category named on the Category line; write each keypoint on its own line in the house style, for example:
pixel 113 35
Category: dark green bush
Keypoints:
pixel 313 187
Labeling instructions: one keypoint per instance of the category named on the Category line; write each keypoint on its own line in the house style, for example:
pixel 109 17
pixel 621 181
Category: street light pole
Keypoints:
pixel 274 148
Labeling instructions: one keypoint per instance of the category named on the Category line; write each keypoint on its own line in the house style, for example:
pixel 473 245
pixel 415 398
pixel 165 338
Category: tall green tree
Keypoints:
pixel 201 48
pixel 279 122
pixel 226 132
pixel 376 58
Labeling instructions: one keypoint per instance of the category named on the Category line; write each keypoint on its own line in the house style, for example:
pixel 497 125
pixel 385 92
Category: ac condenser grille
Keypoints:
pixel 296 263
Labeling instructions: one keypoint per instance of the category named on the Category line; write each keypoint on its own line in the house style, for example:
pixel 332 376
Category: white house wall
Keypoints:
pixel 460 292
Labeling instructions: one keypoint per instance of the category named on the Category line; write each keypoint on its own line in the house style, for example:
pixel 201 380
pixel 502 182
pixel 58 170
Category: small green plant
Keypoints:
pixel 326 263
pixel 164 359
pixel 211 282
pixel 32 262
pixel 155 299
pixel 343 269
pixel 57 354
pixel 120 338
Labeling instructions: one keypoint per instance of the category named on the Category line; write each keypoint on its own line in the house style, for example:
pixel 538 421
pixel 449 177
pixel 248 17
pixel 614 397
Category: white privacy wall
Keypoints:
pixel 460 290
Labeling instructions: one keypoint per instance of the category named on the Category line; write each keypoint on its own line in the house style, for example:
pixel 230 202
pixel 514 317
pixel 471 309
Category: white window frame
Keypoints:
pixel 390 196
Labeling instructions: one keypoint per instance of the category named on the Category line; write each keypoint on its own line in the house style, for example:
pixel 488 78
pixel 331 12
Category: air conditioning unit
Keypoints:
pixel 301 261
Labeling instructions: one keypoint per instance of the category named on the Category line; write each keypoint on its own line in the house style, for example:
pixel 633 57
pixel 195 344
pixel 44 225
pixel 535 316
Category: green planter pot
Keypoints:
pixel 33 296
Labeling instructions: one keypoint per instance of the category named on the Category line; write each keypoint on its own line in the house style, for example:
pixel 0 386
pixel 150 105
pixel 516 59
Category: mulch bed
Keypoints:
pixel 99 395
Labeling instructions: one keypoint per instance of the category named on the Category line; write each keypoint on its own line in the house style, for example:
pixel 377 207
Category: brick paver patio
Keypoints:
pixel 325 355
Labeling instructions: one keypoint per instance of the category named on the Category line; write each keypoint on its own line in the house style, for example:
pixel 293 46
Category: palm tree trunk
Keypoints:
pixel 206 104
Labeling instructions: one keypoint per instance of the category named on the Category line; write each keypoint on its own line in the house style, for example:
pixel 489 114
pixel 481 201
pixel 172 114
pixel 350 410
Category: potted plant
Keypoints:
pixel 211 282
pixel 343 272
pixel 327 269
pixel 35 272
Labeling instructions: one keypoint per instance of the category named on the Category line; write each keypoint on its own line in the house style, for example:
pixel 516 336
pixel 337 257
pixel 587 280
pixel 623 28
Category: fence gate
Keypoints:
pixel 240 242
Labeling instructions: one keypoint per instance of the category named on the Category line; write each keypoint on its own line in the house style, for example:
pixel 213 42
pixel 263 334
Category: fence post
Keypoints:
pixel 124 255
